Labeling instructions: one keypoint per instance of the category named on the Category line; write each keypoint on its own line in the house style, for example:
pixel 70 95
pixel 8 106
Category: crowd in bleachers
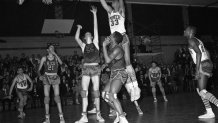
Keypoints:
pixel 176 77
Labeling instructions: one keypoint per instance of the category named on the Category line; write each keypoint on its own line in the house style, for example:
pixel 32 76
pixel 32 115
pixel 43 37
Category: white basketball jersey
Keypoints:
pixel 22 82
pixel 116 22
pixel 204 54
pixel 155 72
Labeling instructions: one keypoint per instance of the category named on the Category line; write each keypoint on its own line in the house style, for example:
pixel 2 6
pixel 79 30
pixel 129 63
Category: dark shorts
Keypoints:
pixel 206 68
pixel 155 81
pixel 91 70
pixel 51 80
pixel 119 75
pixel 23 92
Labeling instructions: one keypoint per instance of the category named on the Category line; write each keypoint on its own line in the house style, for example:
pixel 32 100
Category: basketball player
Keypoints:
pixel 21 85
pixel 51 78
pixel 203 71
pixel 91 69
pixel 154 74
pixel 116 60
pixel 116 15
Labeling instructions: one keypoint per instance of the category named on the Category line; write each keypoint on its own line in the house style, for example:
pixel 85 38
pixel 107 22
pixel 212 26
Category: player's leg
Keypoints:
pixel 138 107
pixel 105 96
pixel 24 101
pixel 131 90
pixel 84 94
pixel 58 101
pixel 162 90
pixel 132 87
pixel 153 89
pixel 96 95
pixel 206 97
pixel 21 104
pixel 116 85
pixel 46 102
pixel 77 93
pixel 95 72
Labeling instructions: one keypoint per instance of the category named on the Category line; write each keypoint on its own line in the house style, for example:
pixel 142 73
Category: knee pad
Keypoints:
pixel 84 94
pixel 46 100
pixel 96 94
pixel 105 96
pixel 57 99
pixel 112 97
pixel 202 93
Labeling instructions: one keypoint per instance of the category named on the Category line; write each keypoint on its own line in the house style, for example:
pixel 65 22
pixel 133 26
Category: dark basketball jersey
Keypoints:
pixel 117 64
pixel 51 66
pixel 91 54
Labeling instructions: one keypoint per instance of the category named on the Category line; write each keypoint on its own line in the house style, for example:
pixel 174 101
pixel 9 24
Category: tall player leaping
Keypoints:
pixel 116 16
pixel 204 68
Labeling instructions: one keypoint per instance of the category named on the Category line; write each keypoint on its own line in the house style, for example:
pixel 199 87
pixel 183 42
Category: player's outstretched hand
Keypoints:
pixel 93 9
pixel 106 41
pixel 79 26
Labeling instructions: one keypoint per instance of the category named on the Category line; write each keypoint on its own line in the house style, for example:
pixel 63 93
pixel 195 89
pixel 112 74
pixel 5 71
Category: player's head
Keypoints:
pixel 116 4
pixel 153 64
pixel 190 31
pixel 116 37
pixel 88 37
pixel 50 48
pixel 19 69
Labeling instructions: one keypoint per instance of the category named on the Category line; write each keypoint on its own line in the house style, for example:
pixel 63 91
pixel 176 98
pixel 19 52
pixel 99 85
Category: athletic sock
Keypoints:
pixel 206 103
pixel 209 110
pixel 211 98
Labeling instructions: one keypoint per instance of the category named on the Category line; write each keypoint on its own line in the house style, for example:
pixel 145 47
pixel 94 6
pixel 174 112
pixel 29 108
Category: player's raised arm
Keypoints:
pixel 77 36
pixel 122 8
pixel 94 11
pixel 106 6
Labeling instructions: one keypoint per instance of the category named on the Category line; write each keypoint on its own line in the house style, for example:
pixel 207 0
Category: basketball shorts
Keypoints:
pixel 155 81
pixel 206 68
pixel 119 75
pixel 51 80
pixel 23 92
pixel 91 70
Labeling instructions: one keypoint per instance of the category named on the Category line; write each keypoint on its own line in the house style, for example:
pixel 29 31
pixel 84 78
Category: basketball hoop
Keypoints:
pixel 20 2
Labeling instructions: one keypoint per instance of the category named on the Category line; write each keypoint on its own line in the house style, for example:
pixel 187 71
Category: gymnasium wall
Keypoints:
pixel 67 45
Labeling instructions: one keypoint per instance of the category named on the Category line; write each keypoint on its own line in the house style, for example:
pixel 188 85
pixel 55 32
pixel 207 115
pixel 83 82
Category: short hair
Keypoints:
pixel 193 28
pixel 154 62
pixel 118 37
pixel 53 46
pixel 50 44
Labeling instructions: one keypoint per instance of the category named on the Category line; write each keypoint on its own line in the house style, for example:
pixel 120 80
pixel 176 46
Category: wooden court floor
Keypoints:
pixel 181 108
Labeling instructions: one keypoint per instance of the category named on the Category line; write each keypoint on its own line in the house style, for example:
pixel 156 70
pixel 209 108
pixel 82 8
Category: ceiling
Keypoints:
pixel 203 3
